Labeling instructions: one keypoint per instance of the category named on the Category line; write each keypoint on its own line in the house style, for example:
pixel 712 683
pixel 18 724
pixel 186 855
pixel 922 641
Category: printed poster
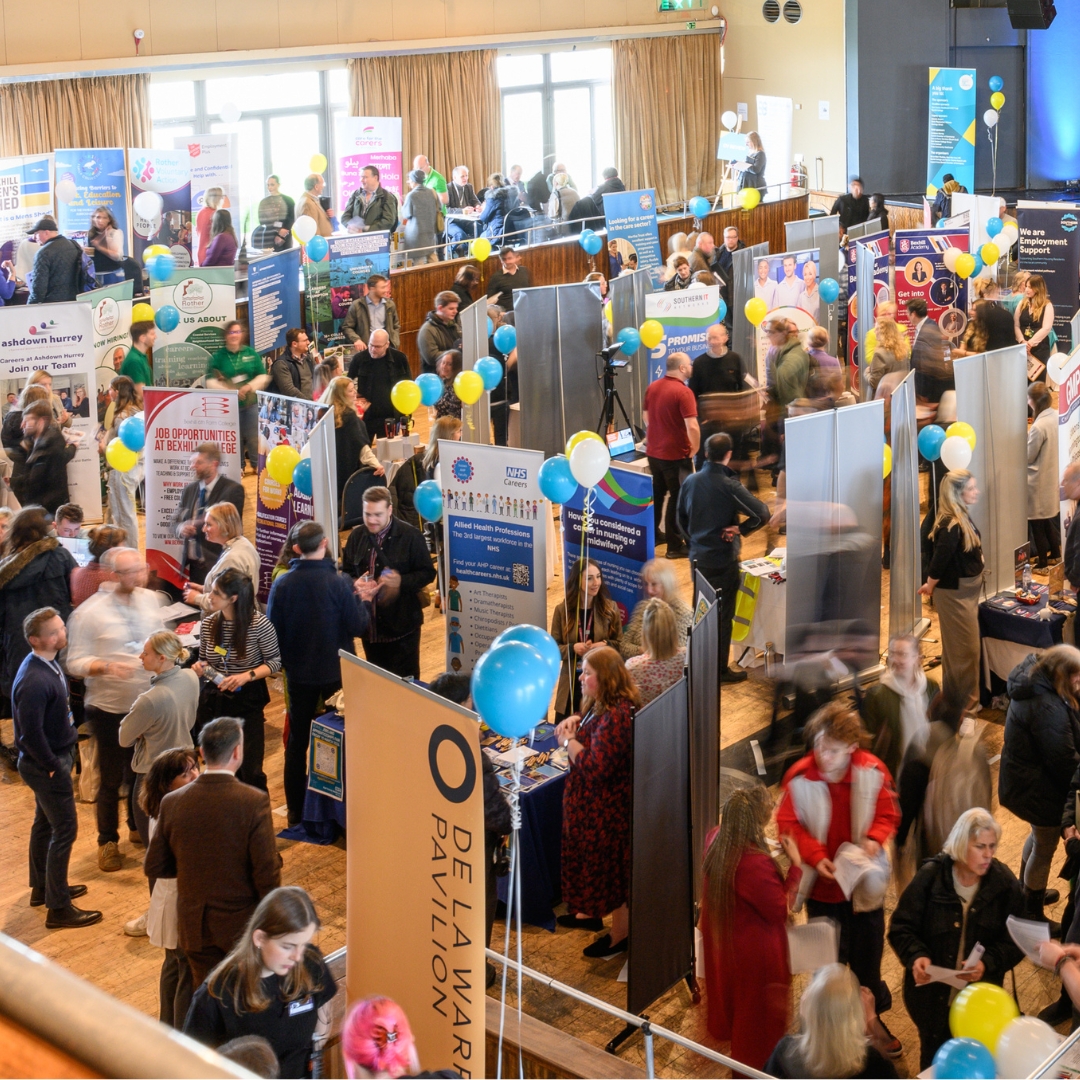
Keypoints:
pixel 213 161
pixel 788 283
pixel 333 284
pixel 495 532
pixel 26 193
pixel 176 422
pixel 86 180
pixel 326 760
pixel 273 299
pixel 878 243
pixel 951 128
pixel 111 307
pixel 1050 245
pixel 370 140
pixel 1069 431
pixel 620 537
pixel 167 172
pixel 59 339
pixel 686 316
pixel 631 227
pixel 921 273
pixel 205 297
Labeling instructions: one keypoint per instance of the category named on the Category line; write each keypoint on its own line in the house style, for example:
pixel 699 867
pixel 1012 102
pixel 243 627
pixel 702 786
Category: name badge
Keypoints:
pixel 298 1007
pixel 221 651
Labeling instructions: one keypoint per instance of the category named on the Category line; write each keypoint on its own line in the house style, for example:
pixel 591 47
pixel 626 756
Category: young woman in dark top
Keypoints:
pixel 956 569
pixel 274 983
pixel 753 174
pixel 351 440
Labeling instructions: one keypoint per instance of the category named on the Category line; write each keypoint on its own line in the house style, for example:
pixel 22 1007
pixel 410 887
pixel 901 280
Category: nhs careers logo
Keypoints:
pixel 516 473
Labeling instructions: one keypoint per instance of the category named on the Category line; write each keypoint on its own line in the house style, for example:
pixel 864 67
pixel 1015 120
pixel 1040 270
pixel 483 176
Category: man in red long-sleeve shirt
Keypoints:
pixel 841 794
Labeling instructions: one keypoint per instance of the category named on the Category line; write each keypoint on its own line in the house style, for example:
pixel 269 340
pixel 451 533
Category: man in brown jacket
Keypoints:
pixel 216 837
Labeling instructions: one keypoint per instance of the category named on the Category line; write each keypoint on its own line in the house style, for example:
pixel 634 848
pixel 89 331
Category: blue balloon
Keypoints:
pixel 490 370
pixel 491 327
pixel 557 483
pixel 162 267
pixel 428 500
pixel 592 244
pixel 996 83
pixel 167 317
pixel 994 225
pixel 943 223
pixel 631 340
pixel 301 477
pixel 583 234
pixel 132 432
pixel 699 206
pixel 721 314
pixel 964 1059
pixel 505 339
pixel 979 264
pixel 829 288
pixel 539 639
pixel 431 388
pixel 317 247
pixel 511 688
pixel 930 439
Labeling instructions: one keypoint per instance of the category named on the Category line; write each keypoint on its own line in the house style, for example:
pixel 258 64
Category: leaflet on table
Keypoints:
pixel 205 297
pixel 168 173
pixel 495 536
pixel 273 299
pixel 326 760
pixel 26 193
pixel 59 339
pixel 85 181
pixel 686 316
pixel 620 534
pixel 111 307
pixel 921 274
pixel 333 284
pixel 630 217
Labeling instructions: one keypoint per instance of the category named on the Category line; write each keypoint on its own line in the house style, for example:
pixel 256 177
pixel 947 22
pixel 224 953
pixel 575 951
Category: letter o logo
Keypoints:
pixel 445 733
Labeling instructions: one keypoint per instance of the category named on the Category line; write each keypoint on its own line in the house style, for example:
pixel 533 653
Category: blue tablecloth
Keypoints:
pixel 1016 623
pixel 324 818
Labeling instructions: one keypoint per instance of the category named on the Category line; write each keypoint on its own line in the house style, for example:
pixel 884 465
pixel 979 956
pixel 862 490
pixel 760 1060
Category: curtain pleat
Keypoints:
pixel 448 103
pixel 64 114
pixel 666 93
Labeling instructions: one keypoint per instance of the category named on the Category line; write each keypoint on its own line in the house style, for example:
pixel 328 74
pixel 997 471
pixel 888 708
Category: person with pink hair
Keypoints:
pixel 376 1041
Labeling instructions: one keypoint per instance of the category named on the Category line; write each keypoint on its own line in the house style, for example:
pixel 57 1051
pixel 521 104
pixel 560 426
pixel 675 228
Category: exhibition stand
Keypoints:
pixel 743 331
pixel 821 234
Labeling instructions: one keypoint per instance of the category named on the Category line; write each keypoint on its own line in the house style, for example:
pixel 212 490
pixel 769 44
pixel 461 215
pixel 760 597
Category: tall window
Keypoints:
pixel 556 107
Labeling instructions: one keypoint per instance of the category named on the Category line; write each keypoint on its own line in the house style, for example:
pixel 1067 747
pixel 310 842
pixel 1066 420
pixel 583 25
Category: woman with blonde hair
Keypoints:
pixel 954 581
pixel 892 351
pixel 753 169
pixel 835 1014
pixel 223 526
pixel 661 663
pixel 744 914
pixel 351 441
pixel 45 379
pixel 1034 318
pixel 121 486
pixel 658 579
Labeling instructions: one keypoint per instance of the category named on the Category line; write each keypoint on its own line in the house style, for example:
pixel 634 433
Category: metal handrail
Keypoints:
pixel 648 1028
pixel 1045 1068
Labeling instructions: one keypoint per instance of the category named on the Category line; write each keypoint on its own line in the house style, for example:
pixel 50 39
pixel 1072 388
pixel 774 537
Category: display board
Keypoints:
pixel 26 193
pixel 339 279
pixel 111 308
pixel 905 557
pixel 822 233
pixel 630 217
pixel 167 172
pixel 705 725
pixel 273 292
pixel 86 180
pixel 921 273
pixel 1050 246
pixel 743 332
pixel 415 789
pixel 59 339
pixel 495 546
pixel 176 422
pixel 788 284
pixel 951 128
pixel 878 245
pixel 214 161
pixel 475 418
pixel 205 297
pixel 369 140
pixel 686 315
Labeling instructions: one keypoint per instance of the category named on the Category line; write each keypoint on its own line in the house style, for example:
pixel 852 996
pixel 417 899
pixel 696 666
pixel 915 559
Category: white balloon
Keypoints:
pixel 589 462
pixel 306 452
pixel 1053 367
pixel 1024 1045
pixel 990 117
pixel 66 191
pixel 148 205
pixel 230 113
pixel 955 453
pixel 949 258
pixel 304 228
pixel 729 120
pixel 1007 237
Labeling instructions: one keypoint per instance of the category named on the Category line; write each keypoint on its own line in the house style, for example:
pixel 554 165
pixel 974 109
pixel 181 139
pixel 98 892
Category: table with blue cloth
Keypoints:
pixel 1010 631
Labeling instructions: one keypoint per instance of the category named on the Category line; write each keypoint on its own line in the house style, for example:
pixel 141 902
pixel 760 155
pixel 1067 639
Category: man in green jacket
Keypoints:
pixel 136 366
pixel 791 365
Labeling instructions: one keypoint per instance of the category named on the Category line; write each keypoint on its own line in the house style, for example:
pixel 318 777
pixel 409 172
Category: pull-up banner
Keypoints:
pixel 631 227
pixel 951 128
pixel 879 243
pixel 1050 246
pixel 369 140
pixel 85 181
pixel 921 273
pixel 112 336
pixel 686 316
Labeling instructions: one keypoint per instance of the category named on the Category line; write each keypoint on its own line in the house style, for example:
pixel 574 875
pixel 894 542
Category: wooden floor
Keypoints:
pixel 128 967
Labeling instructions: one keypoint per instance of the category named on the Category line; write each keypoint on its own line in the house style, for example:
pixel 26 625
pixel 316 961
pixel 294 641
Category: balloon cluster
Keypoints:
pixel 304 229
pixel 591 243
pixel 953 445
pixel 585 462
pixel 287 465
pixel 650 333
pixel 122 453
pixel 991 1039
pixel 997 101
pixel 409 394
pixel 513 681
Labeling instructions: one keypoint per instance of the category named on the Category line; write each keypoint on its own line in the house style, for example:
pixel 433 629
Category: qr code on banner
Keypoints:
pixel 521 574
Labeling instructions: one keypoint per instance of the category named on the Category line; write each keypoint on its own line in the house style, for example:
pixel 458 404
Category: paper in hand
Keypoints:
pixel 1028 935
pixel 812 945
pixel 850 866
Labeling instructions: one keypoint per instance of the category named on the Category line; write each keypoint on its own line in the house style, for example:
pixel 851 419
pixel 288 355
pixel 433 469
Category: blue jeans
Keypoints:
pixel 56 824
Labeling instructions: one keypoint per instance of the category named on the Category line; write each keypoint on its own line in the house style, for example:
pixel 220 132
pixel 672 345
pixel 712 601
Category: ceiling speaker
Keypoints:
pixel 1031 14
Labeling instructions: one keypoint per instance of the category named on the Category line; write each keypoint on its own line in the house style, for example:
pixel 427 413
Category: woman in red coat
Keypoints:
pixel 744 915
pixel 596 802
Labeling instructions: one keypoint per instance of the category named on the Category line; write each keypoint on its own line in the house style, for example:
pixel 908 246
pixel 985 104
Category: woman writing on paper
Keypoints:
pixel 744 914
pixel 958 901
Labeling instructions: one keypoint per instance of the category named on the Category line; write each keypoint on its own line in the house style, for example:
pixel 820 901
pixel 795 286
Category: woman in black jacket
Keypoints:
pixel 959 899
pixel 1040 755
pixel 351 440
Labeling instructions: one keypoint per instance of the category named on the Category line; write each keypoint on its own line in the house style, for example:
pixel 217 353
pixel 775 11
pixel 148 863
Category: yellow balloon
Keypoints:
pixel 317 163
pixel 651 332
pixel 142 313
pixel 153 251
pixel 580 436
pixel 405 396
pixel 280 463
pixel 965 431
pixel 468 386
pixel 119 456
pixel 755 308
pixel 886 466
pixel 982 1011
pixel 997 99
pixel 965 265
pixel 607 311
pixel 749 198
pixel 990 253
pixel 481 248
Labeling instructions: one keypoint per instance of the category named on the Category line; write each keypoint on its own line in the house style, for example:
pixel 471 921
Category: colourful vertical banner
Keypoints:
pixel 921 273
pixel 85 180
pixel 26 192
pixel 788 285
pixel 1069 432
pixel 686 316
pixel 1050 246
pixel 951 128
pixel 333 284
pixel 168 174
pixel 879 243
pixel 213 161
pixel 205 299
pixel 620 536
pixel 631 226
pixel 370 140
pixel 112 335
pixel 273 299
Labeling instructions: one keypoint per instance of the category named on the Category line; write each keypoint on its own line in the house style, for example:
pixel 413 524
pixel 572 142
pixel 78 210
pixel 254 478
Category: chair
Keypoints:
pixel 516 227
pixel 352 498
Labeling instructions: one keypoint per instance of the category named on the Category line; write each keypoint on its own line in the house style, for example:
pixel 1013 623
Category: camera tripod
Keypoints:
pixel 606 422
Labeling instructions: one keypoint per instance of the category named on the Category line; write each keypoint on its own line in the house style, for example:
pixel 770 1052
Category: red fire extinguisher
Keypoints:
pixel 799 178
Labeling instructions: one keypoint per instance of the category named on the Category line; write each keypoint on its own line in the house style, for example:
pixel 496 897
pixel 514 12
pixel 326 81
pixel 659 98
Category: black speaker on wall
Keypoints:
pixel 1031 14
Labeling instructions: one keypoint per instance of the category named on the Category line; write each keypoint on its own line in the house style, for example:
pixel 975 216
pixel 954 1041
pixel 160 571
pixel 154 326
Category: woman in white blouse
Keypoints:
pixel 223 526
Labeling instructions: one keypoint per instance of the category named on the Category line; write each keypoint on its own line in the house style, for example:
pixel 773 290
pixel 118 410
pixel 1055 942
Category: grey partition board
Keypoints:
pixel 822 233
pixel 743 332
pixel 627 293
pixel 834 501
pixel 1074 330
pixel 989 388
pixel 476 418
pixel 864 228
pixel 864 289
pixel 704 735
pixel 559 336
pixel 905 557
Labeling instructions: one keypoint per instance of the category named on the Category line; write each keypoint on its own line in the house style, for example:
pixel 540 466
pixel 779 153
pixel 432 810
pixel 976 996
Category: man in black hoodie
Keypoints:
pixel 440 331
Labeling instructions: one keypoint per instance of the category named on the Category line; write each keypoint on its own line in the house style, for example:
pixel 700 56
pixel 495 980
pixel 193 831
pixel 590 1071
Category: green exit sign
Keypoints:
pixel 680 5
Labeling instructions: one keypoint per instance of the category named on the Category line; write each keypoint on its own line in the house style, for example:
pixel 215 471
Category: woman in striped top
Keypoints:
pixel 238 651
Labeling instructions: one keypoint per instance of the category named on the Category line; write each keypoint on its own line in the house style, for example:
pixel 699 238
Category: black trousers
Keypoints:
pixel 174 989
pixel 401 657
pixel 303 703
pixel 246 704
pixel 202 962
pixel 142 822
pixel 56 824
pixel 862 942
pixel 1045 534
pixel 667 478
pixel 725 580
pixel 114 762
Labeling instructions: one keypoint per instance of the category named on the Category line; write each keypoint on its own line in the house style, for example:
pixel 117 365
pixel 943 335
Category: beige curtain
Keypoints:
pixel 667 114
pixel 36 117
pixel 448 104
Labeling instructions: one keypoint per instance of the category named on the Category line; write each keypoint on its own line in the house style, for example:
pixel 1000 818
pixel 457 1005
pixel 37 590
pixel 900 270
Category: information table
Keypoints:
pixel 769 623
pixel 1010 631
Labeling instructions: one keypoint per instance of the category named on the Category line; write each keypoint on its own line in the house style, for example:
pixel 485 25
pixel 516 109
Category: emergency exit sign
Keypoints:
pixel 680 5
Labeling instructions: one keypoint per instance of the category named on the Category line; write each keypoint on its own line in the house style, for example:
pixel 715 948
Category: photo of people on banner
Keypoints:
pixel 921 273
pixel 788 283
pixel 339 276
